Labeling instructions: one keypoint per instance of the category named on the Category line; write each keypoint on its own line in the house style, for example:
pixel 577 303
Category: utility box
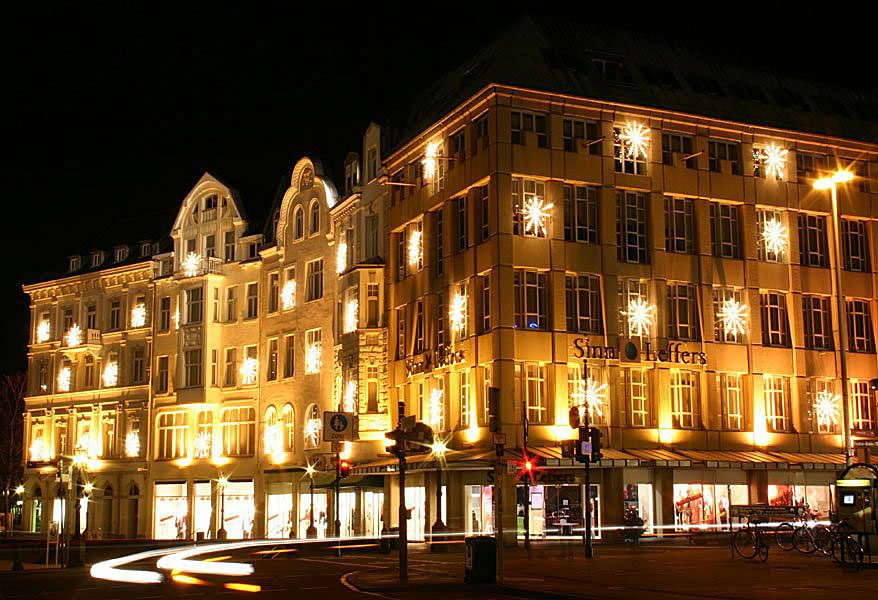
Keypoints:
pixel 856 497
pixel 481 559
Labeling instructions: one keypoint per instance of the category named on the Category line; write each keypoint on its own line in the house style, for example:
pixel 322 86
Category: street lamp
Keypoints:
pixel 831 183
pixel 311 532
pixel 221 533
pixel 439 448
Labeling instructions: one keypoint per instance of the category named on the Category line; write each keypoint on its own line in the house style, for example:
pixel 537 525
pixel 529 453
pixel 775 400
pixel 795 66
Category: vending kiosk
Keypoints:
pixel 856 501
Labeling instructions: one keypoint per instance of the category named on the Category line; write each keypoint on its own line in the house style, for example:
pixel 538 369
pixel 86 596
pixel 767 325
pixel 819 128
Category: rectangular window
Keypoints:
pixel 238 431
pixel 776 391
pixel 775 324
pixel 863 413
pixel 252 300
pixel 372 389
pixel 486 394
pixel 817 322
pixel 214 367
pixel 813 244
pixel 138 371
pixel 173 429
pixel 685 400
pixel 524 122
pixel 583 296
pixel 678 145
pixel 730 318
pixel 631 227
pixel 457 148
pixel 460 222
pixel 731 393
pixel 216 305
pixel 371 241
pixel 720 153
pixel 682 308
pixel 486 303
pixel 626 159
pixel 532 378
pixel 466 404
pixel 440 238
pixel 273 292
pixel 635 381
pixel 725 230
pixel 825 406
pixel 400 333
pixel 861 336
pixel 441 316
pixel 809 166
pixel 582 134
pixel 231 368
pixel 531 304
pixel 771 235
pixel 194 304
pixel 229 248
pixel 526 193
pixel 193 360
pixel 314 282
pixel 91 317
pixel 210 246
pixel 679 225
pixel 631 291
pixel 578 395
pixel 372 304
pixel 272 360
pixel 855 243
pixel 484 214
pixel 460 329
pixel 480 134
pixel 231 304
pixel 115 314
pixel 860 169
pixel 165 313
pixel 289 355
pixel 419 327
pixel 581 213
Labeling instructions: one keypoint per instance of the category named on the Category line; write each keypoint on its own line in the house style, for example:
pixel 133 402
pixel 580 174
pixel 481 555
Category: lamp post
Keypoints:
pixel 221 533
pixel 311 532
pixel 831 183
pixel 439 448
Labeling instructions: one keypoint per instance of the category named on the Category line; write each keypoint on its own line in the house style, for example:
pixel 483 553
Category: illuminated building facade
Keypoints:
pixel 640 241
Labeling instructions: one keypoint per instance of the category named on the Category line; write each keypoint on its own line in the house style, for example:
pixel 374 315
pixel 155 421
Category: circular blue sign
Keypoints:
pixel 338 423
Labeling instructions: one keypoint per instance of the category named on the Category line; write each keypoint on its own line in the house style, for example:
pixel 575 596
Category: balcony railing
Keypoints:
pixel 199 266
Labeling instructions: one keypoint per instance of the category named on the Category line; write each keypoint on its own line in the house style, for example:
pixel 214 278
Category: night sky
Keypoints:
pixel 115 110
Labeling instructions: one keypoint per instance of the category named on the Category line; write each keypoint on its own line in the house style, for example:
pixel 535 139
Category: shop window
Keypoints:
pixel 373 513
pixel 240 509
pixel 706 505
pixel 203 511
pixel 171 511
pixel 638 503
pixel 279 511
pixel 313 511
pixel 479 508
pixel 556 511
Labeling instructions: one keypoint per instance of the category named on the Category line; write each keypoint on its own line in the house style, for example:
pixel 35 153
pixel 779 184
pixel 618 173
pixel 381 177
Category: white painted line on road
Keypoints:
pixel 344 581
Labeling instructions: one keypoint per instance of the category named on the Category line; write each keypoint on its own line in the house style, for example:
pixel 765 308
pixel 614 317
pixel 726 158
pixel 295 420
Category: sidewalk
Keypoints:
pixel 623 572
pixel 6 565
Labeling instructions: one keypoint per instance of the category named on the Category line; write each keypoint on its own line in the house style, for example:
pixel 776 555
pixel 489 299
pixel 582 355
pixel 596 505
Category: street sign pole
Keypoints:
pixel 337 507
pixel 588 548
pixel 403 521
pixel 499 444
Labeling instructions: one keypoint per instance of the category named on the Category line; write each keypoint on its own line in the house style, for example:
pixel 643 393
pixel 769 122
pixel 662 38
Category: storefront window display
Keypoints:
pixel 373 510
pixel 479 508
pixel 321 518
pixel 347 504
pixel 817 498
pixel 415 500
pixel 279 510
pixel 239 509
pixel 705 504
pixel 203 510
pixel 638 501
pixel 556 511
pixel 171 511
pixel 37 513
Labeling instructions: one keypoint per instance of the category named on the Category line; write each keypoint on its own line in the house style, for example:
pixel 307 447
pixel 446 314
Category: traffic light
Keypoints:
pixel 595 437
pixel 526 467
pixel 397 447
pixel 344 469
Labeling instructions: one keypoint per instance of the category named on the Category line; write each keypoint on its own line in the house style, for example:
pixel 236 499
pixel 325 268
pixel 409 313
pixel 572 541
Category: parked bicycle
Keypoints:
pixel 750 541
pixel 845 547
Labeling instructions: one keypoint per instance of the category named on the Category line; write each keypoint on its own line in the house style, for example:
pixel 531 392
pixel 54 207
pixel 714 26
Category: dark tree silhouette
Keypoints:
pixel 12 390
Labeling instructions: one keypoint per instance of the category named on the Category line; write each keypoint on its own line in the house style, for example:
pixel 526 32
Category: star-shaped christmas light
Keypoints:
pixel 64 376
pixel 249 370
pixel 203 445
pixel 312 432
pixel 826 408
pixel 590 395
pixel 44 331
pixel 733 314
pixel 132 444
pixel 73 337
pixel 641 315
pixel 312 359
pixel 437 407
pixel 349 403
pixel 774 236
pixel 457 312
pixel 288 294
pixel 273 439
pixel 341 258
pixel 111 374
pixel 635 140
pixel 138 315
pixel 191 264
pixel 429 161
pixel 415 248
pixel 351 315
pixel 774 159
pixel 39 450
pixel 535 212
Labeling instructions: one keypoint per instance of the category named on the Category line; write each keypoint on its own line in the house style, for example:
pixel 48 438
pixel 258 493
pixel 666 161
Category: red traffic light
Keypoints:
pixel 526 467
pixel 344 469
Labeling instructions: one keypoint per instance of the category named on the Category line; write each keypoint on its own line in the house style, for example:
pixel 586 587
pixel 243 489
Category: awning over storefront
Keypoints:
pixel 659 457
pixel 480 459
pixel 829 461
pixel 354 481
pixel 551 457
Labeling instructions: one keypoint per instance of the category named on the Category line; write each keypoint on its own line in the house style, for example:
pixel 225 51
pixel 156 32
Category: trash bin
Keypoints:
pixel 480 559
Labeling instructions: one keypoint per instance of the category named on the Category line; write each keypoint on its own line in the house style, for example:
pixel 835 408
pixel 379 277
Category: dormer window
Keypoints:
pixel 210 202
pixel 97 259
pixel 145 249
pixel 74 264
pixel 315 217
pixel 121 253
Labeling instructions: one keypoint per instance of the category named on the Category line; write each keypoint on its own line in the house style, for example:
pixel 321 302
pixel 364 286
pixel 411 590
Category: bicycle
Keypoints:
pixel 750 542
pixel 845 547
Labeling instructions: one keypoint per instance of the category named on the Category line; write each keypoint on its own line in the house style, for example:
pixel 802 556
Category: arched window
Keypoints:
pixel 273 435
pixel 289 416
pixel 313 427
pixel 315 217
pixel 133 509
pixel 36 513
pixel 298 223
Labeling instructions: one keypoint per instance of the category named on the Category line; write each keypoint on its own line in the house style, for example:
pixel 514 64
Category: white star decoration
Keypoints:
pixel 635 140
pixel 191 264
pixel 640 315
pixel 535 212
pixel 774 235
pixel 774 159
pixel 415 248
pixel 826 407
pixel 590 395
pixel 457 312
pixel 733 315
